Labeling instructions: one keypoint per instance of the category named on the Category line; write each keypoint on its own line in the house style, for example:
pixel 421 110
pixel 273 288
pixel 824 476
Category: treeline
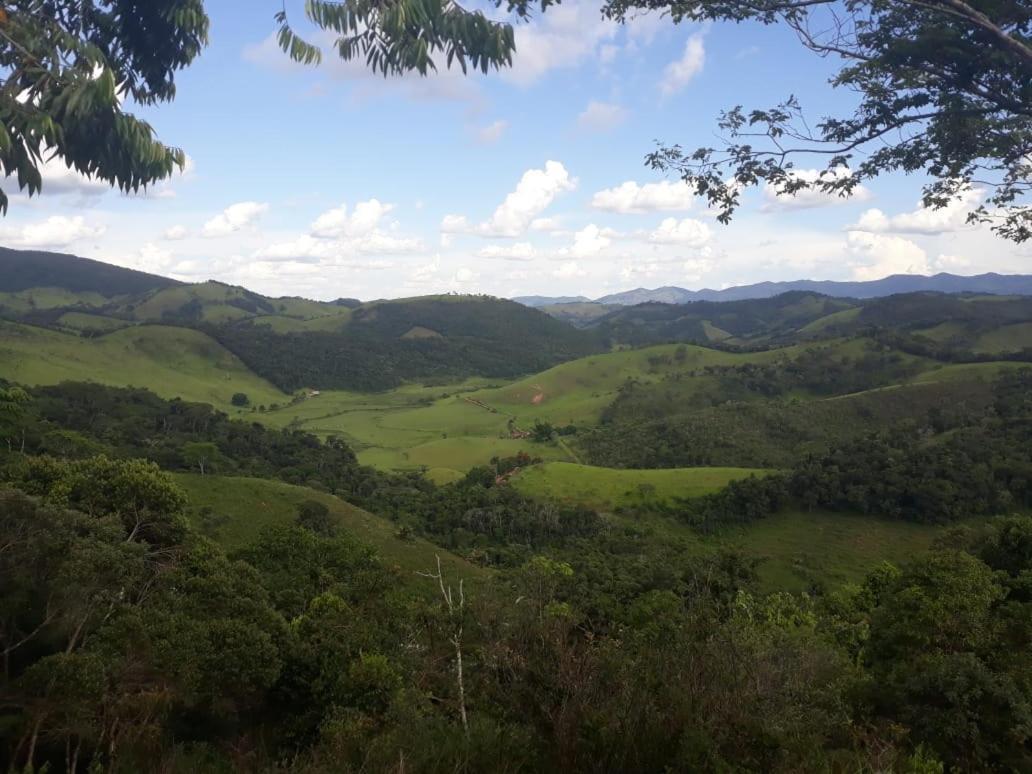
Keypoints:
pixel 979 467
pixel 390 342
pixel 132 643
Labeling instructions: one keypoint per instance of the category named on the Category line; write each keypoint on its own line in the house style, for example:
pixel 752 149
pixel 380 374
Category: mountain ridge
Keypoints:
pixel 943 282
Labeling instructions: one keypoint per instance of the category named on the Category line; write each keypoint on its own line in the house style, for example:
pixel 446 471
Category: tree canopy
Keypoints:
pixel 69 66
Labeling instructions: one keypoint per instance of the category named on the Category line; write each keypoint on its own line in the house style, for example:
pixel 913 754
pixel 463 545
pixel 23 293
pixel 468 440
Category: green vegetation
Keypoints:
pixel 174 362
pixel 329 615
pixel 234 510
pixel 607 488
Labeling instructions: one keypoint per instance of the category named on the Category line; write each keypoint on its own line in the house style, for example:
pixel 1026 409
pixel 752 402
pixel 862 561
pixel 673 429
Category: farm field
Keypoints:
pixel 609 488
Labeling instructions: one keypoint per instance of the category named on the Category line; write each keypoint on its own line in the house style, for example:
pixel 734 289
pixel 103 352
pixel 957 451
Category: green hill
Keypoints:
pixel 172 362
pixel 463 336
pixel 241 507
pixel 24 269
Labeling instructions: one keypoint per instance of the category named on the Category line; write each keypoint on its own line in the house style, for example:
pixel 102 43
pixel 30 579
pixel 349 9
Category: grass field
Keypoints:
pixel 608 488
pixel 1008 338
pixel 173 362
pixel 79 321
pixel 251 504
pixel 797 550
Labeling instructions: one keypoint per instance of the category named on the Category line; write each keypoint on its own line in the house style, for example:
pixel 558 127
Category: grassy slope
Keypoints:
pixel 48 298
pixel 832 548
pixel 254 503
pixel 607 488
pixel 173 362
pixel 798 549
pixel 78 321
pixel 1008 338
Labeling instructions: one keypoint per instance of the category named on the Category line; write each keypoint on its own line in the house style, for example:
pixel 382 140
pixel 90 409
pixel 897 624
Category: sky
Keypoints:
pixel 331 181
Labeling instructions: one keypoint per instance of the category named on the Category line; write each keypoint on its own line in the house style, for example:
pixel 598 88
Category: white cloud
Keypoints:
pixel 809 198
pixel 234 218
pixel 629 197
pixel 566 36
pixel 60 180
pixel 536 189
pixel 55 231
pixel 338 222
pixel 680 72
pixel 464 276
pixel 175 232
pixel 951 263
pixel 923 220
pixel 688 232
pixel 521 251
pixel 309 249
pixel 590 240
pixel 569 270
pixel 548 225
pixel 878 255
pixel 601 116
pixel 492 133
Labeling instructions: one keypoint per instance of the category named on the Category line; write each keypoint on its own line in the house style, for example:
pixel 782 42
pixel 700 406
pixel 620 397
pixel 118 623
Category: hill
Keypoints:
pixel 386 343
pixel 173 362
pixel 24 269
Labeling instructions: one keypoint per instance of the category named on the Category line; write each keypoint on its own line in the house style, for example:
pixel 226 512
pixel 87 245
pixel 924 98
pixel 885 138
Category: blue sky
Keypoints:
pixel 331 181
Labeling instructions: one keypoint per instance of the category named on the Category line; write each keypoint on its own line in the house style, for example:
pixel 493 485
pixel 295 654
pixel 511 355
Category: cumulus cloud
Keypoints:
pixel 629 197
pixel 548 225
pixel 340 222
pixel 566 36
pixel 687 232
pixel 536 190
pixel 601 116
pixel 569 270
pixel 310 249
pixel 55 231
pixel 923 220
pixel 879 255
pixel 808 198
pixel 590 240
pixel 521 251
pixel 173 233
pixel 234 218
pixel 680 72
pixel 492 133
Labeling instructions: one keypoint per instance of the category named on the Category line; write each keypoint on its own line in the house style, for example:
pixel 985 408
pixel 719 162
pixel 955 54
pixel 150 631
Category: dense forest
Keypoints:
pixel 387 343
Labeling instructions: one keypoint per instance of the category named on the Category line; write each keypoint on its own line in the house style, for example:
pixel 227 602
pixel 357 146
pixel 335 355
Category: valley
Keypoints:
pixel 793 452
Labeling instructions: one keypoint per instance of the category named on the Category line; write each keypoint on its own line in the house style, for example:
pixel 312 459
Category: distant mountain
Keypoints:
pixel 996 284
pixel 536 301
pixel 665 295
pixel 24 269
